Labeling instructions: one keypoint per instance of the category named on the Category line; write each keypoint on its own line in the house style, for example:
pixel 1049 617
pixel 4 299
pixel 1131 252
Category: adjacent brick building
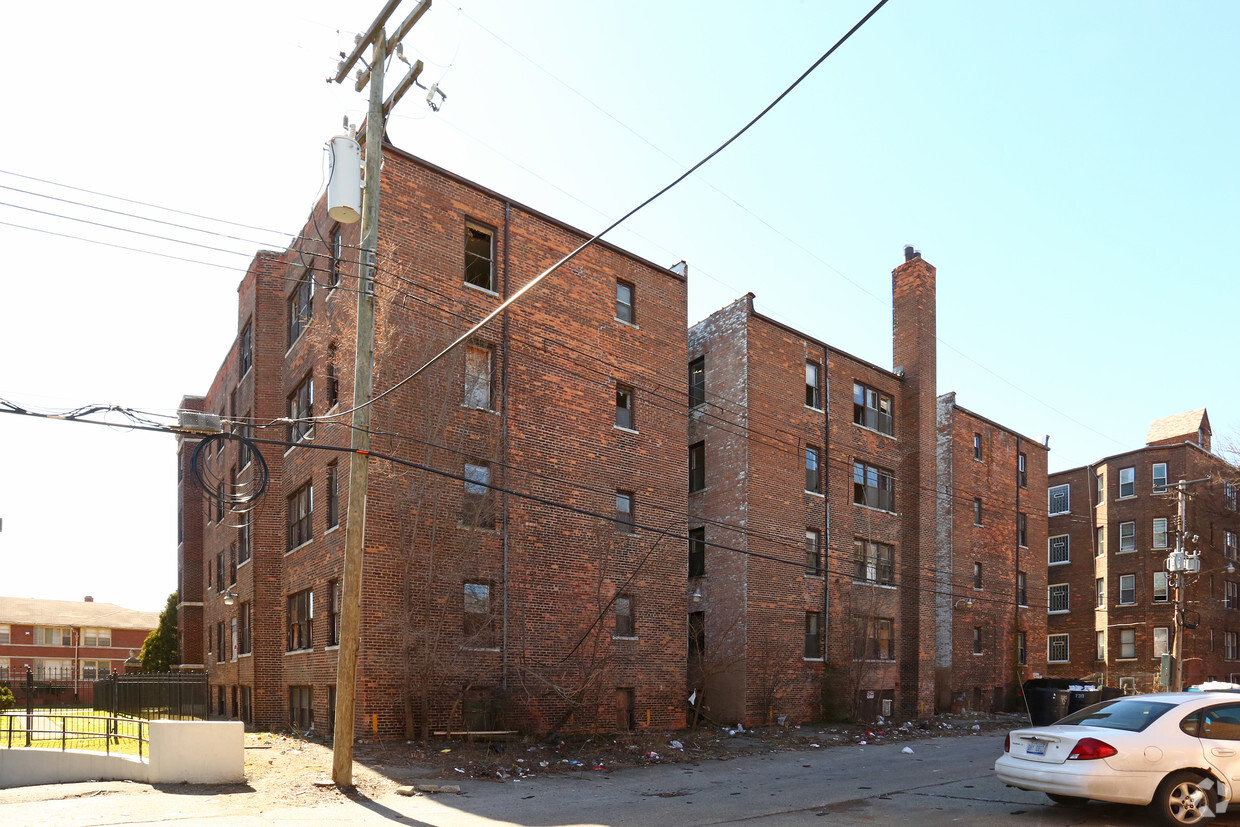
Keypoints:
pixel 67 645
pixel 1112 526
pixel 521 566
pixel 825 572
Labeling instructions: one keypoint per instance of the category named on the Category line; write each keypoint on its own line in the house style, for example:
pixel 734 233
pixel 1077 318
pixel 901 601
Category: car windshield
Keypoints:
pixel 1130 714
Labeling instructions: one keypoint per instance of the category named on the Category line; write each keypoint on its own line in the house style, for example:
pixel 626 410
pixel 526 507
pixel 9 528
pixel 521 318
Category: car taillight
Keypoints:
pixel 1088 749
pixel 1007 742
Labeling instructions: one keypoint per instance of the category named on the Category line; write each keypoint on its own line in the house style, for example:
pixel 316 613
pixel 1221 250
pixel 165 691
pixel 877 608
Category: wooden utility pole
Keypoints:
pixel 355 520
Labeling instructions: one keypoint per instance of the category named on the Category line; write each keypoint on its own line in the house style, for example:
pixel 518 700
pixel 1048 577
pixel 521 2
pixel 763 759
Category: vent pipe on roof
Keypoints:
pixel 910 253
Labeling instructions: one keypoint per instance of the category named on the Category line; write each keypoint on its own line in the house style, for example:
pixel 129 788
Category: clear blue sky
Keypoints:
pixel 1068 167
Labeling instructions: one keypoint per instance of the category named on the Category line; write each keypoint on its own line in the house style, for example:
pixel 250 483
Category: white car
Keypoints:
pixel 1178 752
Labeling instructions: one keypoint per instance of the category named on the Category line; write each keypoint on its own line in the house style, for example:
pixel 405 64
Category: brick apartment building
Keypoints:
pixel 824 569
pixel 67 644
pixel 483 608
pixel 1112 525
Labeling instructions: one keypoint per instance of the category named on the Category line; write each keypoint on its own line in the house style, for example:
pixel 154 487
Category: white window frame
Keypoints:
pixel 1132 536
pixel 1127 644
pixel 1159 527
pixel 1162 594
pixel 1131 473
pixel 1229 544
pixel 1229 646
pixel 1050 550
pixel 1051 641
pixel 1159 471
pixel 1131 580
pixel 1053 494
pixel 1162 641
pixel 1051 601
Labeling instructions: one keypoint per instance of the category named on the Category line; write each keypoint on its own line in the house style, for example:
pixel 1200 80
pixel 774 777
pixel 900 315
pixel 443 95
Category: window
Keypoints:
pixel 476 502
pixel 220 655
pixel 624 616
pixel 875 562
pixel 1057 500
pixel 479 257
pixel 1229 496
pixel 1159 474
pixel 93 670
pixel 1127 482
pixel 478 377
pixel 300 410
pixel 624 512
pixel 1160 532
pixel 873 486
pixel 300 711
pixel 1022 592
pixel 1022 470
pixel 1230 591
pixel 1127 644
pixel 977 511
pixel 1057 598
pixel 335 256
pixel 333 381
pixel 245 349
pixel 697 636
pixel 52 636
pixel 479 628
pixel 300 613
pixel 243 543
pixel 813 551
pixel 1057 648
pixel 1022 530
pixel 1057 550
pixel 624 407
pixel 1128 536
pixel 4 633
pixel 300 511
pixel 333 496
pixel 1229 544
pixel 1160 587
pixel 697 552
pixel 977 640
pixel 246 626
pixel 1101 650
pixel 697 382
pixel 1022 648
pixel 1100 592
pixel 334 596
pixel 1101 540
pixel 53 669
pixel 977 575
pixel 813 388
pixel 1229 646
pixel 219 572
pixel 875 639
pixel 872 409
pixel 300 307
pixel 1127 589
pixel 1162 641
pixel 813 636
pixel 977 447
pixel 813 482
pixel 697 466
pixel 246 432
pixel 96 637
pixel 624 301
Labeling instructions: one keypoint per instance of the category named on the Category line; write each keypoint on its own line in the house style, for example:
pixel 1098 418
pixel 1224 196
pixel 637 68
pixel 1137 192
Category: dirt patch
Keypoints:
pixel 288 769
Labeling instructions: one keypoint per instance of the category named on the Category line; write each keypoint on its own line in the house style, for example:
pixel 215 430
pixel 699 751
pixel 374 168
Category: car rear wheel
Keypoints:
pixel 1066 800
pixel 1184 797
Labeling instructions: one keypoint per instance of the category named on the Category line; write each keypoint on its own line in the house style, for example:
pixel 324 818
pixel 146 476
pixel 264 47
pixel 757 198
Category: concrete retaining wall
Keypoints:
pixel 196 752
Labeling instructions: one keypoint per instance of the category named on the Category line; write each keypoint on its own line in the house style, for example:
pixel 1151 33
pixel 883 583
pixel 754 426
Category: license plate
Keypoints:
pixel 1036 748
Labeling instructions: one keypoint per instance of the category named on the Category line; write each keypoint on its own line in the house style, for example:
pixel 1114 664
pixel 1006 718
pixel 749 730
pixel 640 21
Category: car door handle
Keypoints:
pixel 1223 753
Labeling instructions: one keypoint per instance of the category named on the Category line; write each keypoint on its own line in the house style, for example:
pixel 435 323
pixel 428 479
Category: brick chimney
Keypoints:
pixel 915 359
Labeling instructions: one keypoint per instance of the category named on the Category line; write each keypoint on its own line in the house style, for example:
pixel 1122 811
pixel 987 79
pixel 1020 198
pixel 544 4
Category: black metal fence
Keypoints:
pixel 46 688
pixel 175 695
